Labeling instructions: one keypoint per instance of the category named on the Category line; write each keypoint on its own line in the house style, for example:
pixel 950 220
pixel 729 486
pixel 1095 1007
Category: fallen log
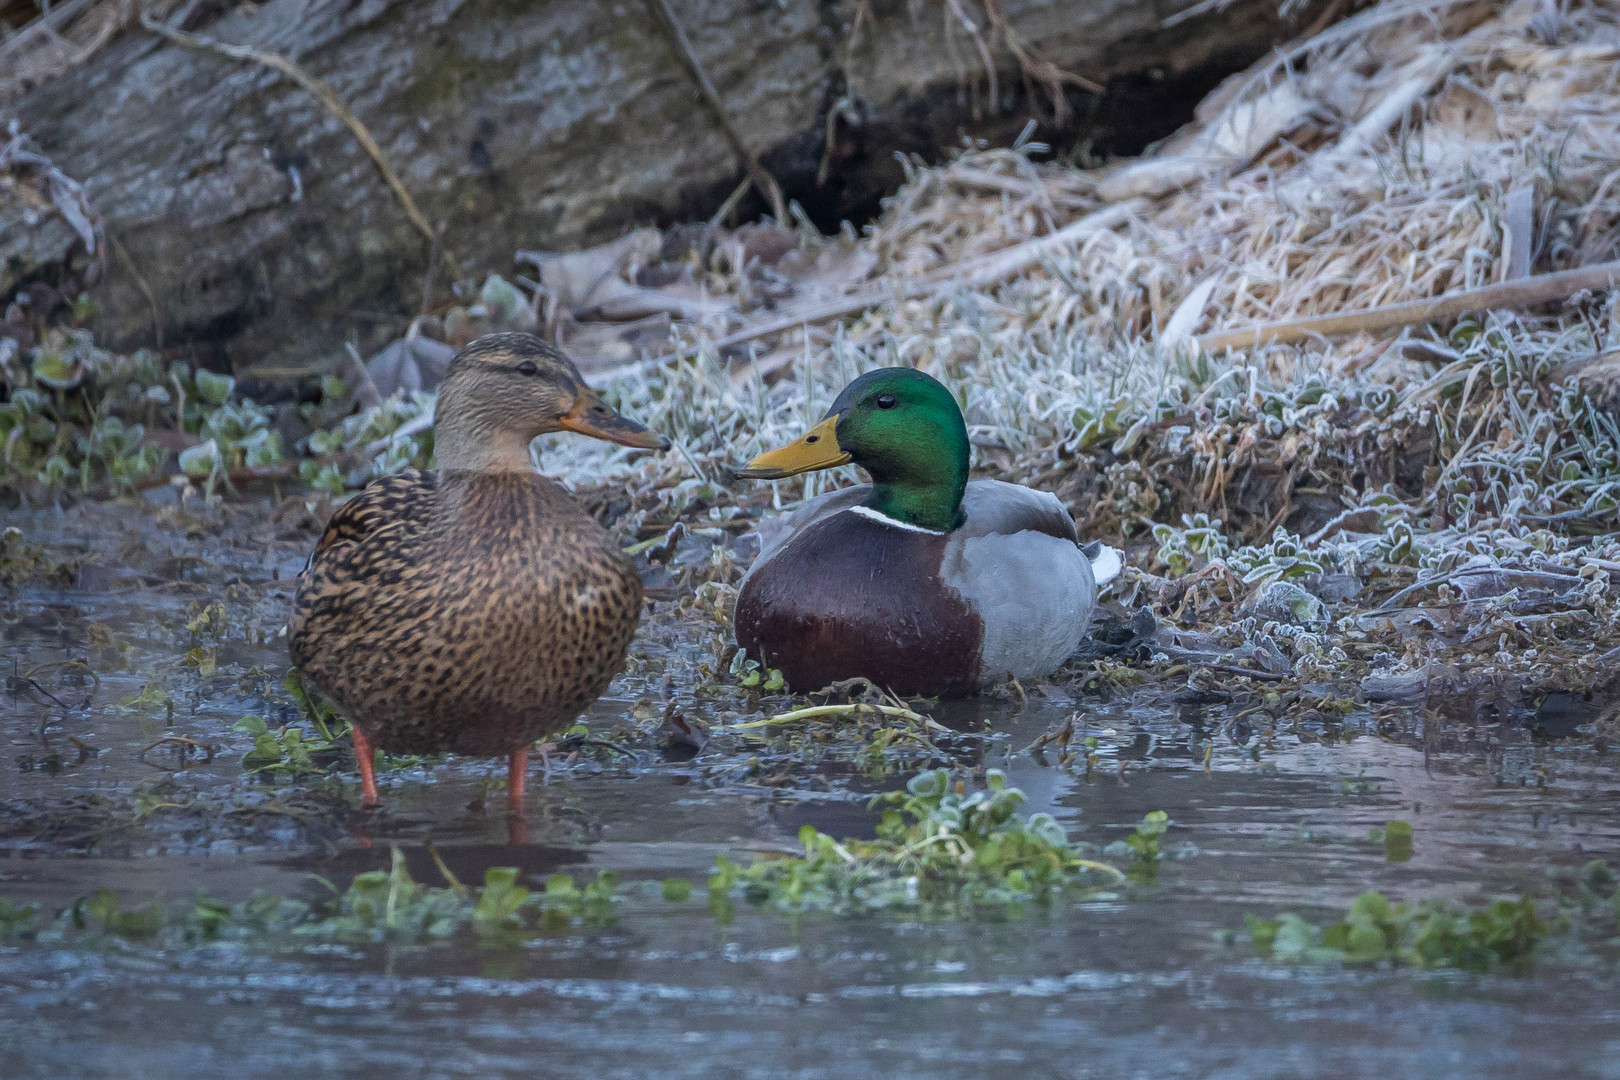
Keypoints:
pixel 267 236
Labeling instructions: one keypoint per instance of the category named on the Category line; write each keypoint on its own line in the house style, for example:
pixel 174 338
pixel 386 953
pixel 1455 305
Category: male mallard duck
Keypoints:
pixel 477 608
pixel 921 581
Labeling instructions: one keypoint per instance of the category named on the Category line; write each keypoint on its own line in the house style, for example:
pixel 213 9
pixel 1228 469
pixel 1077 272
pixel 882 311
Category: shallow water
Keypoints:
pixel 1135 987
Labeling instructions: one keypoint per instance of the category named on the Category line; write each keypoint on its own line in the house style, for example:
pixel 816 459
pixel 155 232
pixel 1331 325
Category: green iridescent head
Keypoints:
pixel 901 426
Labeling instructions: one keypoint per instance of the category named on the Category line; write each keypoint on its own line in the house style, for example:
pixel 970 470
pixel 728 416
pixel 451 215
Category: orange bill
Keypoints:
pixel 591 416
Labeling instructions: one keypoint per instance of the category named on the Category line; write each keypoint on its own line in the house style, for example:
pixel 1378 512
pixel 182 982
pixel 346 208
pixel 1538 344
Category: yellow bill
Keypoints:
pixel 817 449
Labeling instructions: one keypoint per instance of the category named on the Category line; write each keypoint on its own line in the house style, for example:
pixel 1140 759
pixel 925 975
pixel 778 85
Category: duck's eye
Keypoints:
pixel 527 368
pixel 887 401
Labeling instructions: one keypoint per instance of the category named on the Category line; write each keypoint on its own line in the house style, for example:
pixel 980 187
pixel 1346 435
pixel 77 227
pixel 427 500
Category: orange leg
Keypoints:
pixel 367 759
pixel 516 779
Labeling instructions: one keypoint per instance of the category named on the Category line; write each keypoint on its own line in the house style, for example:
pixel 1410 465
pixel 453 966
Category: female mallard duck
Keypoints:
pixel 920 581
pixel 478 608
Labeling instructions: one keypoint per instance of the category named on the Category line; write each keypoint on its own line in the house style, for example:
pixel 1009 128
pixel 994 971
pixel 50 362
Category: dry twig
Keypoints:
pixel 1036 66
pixel 1508 294
pixel 763 181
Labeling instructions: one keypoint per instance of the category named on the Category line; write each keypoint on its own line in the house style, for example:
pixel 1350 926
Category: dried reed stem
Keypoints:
pixel 1507 294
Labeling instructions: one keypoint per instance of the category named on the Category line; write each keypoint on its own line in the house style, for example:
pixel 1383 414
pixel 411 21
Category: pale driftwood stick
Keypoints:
pixel 1519 225
pixel 763 180
pixel 332 103
pixel 1425 71
pixel 977 272
pixel 1508 294
pixel 982 270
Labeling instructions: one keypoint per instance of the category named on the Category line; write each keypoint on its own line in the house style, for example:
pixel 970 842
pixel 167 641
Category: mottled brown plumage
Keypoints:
pixel 1598 377
pixel 479 608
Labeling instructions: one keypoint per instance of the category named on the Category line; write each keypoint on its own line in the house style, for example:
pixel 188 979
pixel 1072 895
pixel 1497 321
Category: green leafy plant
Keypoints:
pixel 1426 935
pixel 76 413
pixel 261 915
pixel 151 698
pixel 1285 558
pixel 1145 840
pixel 940 850
pixel 16 918
pixel 328 723
pixel 1396 838
pixel 282 750
pixel 500 903
pixel 564 902
pixel 749 673
pixel 378 906
pixel 1146 843
pixel 1199 539
pixel 104 909
pixel 1093 426
pixel 386 905
pixel 206 661
pixel 377 424
pixel 288 749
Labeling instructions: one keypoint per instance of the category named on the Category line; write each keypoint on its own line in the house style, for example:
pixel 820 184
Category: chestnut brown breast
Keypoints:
pixel 874 607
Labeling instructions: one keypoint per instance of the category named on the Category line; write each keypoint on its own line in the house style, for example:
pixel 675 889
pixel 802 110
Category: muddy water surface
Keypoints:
pixel 102 786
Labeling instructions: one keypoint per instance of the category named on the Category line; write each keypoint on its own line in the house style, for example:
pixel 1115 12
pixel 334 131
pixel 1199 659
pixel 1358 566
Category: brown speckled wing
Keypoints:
pixel 399 501
pixel 391 512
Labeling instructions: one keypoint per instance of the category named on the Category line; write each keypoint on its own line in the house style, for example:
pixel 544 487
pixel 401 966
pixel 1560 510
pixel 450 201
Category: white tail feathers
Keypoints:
pixel 1106 564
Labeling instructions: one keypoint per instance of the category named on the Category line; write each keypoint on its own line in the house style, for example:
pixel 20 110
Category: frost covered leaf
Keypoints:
pixel 58 371
pixel 200 460
pixel 213 387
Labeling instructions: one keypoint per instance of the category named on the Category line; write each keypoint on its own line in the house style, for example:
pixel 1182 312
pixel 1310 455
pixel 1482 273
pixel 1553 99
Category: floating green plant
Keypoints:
pixel 1429 934
pixel 288 749
pixel 387 905
pixel 749 673
pixel 104 909
pixel 1396 837
pixel 15 918
pixel 378 906
pixel 1144 846
pixel 280 750
pixel 1145 840
pixel 940 850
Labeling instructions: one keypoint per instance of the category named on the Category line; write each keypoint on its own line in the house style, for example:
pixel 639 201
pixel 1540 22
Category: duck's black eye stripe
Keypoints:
pixel 886 401
pixel 527 368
